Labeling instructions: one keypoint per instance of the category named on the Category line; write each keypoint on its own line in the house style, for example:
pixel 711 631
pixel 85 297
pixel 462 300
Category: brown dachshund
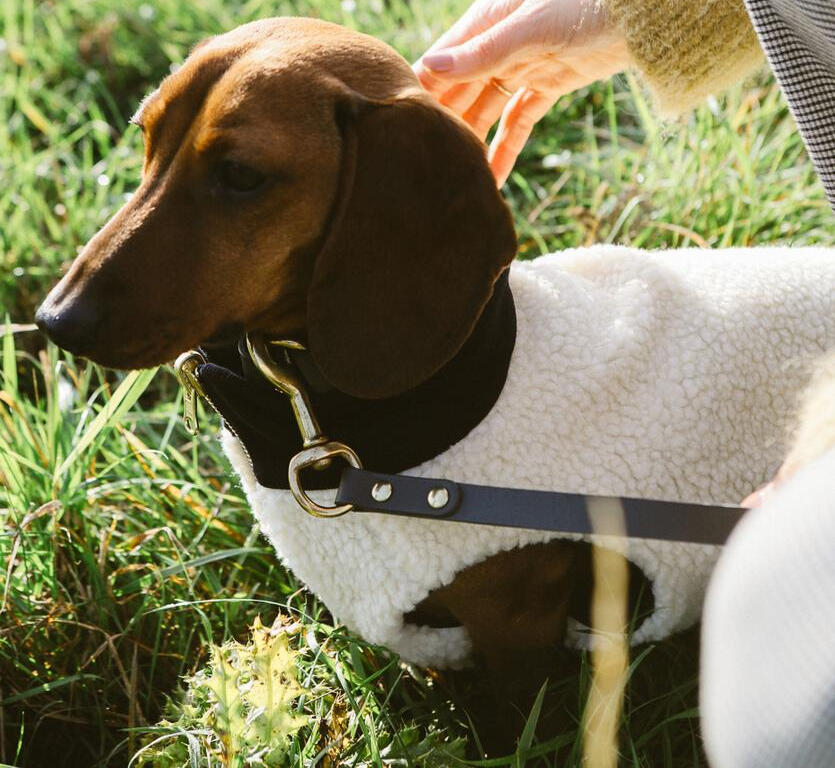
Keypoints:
pixel 297 180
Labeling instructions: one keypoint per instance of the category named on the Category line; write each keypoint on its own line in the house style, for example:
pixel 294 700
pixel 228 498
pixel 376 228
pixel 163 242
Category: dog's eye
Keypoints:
pixel 238 177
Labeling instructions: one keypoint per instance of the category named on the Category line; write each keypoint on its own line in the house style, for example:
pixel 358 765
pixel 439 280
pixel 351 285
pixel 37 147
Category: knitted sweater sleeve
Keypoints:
pixel 687 49
pixel 768 640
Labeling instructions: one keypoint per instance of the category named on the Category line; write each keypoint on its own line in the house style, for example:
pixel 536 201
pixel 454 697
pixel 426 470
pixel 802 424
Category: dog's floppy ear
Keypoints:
pixel 418 237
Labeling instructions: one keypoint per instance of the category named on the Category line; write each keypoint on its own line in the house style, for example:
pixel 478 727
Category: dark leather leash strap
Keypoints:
pixel 365 491
pixel 537 510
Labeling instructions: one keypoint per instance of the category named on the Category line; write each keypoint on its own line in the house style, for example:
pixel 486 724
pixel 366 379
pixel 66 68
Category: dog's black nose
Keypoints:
pixel 71 326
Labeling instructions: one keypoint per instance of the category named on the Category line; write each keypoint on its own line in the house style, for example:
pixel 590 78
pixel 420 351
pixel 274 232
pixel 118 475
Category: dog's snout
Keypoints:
pixel 72 326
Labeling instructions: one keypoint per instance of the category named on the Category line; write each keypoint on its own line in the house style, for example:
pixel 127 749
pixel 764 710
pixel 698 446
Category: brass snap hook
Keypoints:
pixel 318 450
pixel 184 367
pixel 282 375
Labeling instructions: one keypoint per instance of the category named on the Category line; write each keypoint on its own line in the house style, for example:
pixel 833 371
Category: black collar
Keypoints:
pixel 389 435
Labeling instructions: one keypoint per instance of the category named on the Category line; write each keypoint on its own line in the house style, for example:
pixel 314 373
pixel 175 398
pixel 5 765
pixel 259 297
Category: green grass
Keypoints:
pixel 125 546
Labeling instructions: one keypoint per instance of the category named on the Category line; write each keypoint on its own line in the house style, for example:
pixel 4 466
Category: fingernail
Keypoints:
pixel 758 497
pixel 438 62
pixel 752 501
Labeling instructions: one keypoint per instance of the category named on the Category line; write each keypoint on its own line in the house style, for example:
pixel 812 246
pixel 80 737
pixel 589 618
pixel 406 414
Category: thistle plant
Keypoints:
pixel 237 712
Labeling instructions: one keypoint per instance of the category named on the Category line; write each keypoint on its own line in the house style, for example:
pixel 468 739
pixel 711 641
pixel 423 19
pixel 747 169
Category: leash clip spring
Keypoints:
pixel 317 450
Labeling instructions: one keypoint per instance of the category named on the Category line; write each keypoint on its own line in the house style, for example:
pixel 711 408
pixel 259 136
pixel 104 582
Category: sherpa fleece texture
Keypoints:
pixel 687 49
pixel 670 375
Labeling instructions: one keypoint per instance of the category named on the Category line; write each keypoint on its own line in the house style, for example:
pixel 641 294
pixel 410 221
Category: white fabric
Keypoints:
pixel 768 638
pixel 670 375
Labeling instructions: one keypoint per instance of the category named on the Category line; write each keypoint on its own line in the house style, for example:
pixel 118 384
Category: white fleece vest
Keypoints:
pixel 670 375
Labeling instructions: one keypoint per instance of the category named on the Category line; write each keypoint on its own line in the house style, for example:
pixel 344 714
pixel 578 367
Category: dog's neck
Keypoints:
pixel 389 435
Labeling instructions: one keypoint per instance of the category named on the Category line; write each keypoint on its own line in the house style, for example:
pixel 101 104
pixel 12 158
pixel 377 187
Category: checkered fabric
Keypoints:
pixel 768 643
pixel 798 37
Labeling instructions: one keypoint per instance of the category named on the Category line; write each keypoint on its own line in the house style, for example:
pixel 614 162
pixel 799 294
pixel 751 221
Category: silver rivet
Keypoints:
pixel 381 491
pixel 438 498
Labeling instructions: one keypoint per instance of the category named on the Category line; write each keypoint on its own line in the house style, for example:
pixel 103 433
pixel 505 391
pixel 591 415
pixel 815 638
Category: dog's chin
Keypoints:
pixel 227 334
pixel 153 352
pixel 124 358
pixel 126 361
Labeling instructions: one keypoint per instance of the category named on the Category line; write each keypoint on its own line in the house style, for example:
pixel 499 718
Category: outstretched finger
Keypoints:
pixel 479 17
pixel 482 55
pixel 521 114
pixel 486 109
pixel 758 497
pixel 429 82
pixel 460 96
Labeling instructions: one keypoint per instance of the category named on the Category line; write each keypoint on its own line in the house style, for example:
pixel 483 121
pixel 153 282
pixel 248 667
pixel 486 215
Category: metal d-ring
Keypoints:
pixel 317 450
pixel 312 457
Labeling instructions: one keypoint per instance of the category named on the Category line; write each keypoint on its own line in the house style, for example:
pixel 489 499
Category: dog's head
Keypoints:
pixel 296 181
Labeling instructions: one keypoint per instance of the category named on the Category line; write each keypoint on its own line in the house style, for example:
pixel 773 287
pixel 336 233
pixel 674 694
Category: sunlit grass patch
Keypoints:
pixel 98 530
pixel 733 173
pixel 121 571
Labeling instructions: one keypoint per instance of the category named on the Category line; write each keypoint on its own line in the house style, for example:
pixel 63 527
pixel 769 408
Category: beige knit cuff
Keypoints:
pixel 687 49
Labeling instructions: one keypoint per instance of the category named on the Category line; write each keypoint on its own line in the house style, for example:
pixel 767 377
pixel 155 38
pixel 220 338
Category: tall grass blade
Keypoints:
pixel 123 399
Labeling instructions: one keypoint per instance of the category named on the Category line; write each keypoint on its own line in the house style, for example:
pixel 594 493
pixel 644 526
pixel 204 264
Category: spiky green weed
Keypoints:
pixel 239 711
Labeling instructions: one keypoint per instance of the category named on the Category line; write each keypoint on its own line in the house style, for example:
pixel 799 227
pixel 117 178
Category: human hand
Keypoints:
pixel 510 60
